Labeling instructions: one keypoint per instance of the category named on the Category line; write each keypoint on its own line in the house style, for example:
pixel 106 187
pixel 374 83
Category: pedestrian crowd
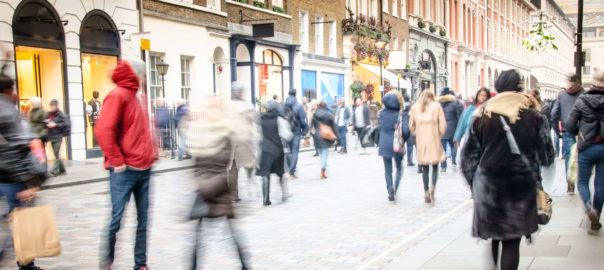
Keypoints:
pixel 503 140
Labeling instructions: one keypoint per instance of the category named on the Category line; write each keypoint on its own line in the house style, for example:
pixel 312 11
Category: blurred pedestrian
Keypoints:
pixel 503 172
pixel 390 117
pixel 246 149
pixel 428 123
pixel 463 126
pixel 547 111
pixel 162 123
pixel 326 133
pixel 360 120
pixel 212 134
pixel 343 120
pixel 58 127
pixel 560 112
pixel 314 104
pixel 124 136
pixel 38 118
pixel 17 182
pixel 452 109
pixel 374 110
pixel 410 142
pixel 272 154
pixel 299 127
pixel 182 109
pixel 587 120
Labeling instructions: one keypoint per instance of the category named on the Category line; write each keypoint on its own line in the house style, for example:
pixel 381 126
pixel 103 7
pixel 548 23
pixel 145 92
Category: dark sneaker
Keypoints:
pixel 594 217
pixel 571 189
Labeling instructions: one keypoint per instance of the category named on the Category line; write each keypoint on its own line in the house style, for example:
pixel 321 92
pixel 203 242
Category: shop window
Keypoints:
pixel 155 89
pixel 332 88
pixel 270 76
pixel 185 78
pixel 309 84
pixel 96 83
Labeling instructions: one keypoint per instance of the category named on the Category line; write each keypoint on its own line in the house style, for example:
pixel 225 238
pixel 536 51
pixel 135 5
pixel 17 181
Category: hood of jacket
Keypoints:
pixel 575 89
pixel 447 98
pixel 124 76
pixel 594 99
pixel 291 101
pixel 391 102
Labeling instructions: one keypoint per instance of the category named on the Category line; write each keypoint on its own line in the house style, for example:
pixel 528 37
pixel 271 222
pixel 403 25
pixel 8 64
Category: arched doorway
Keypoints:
pixel 428 71
pixel 534 83
pixel 100 49
pixel 39 41
pixel 218 62
pixel 270 76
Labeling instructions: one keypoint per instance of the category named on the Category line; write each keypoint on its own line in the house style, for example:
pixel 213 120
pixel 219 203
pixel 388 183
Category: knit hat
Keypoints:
pixel 509 80
pixel 292 92
pixel 597 78
pixel 272 105
pixel 54 102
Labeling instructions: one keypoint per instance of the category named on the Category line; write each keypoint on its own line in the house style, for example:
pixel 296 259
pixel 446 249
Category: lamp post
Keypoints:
pixel 162 69
pixel 379 44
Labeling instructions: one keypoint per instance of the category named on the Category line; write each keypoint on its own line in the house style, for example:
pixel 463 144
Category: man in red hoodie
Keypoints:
pixel 123 133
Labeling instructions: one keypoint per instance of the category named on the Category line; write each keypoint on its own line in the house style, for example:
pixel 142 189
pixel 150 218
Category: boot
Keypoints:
pixel 432 188
pixel 266 190
pixel 570 190
pixel 284 194
pixel 594 217
pixel 427 197
pixel 391 195
pixel 323 175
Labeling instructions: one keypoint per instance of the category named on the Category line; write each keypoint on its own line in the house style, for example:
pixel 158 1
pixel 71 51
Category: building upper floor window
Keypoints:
pixel 213 4
pixel 185 78
pixel 395 8
pixel 319 34
pixel 589 34
pixel 333 41
pixel 278 3
pixel 404 9
pixel 303 15
pixel 351 4
pixel 373 8
pixel 587 55
pixel 385 6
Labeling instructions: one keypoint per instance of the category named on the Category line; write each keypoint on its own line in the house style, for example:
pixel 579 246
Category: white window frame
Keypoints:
pixel 404 9
pixel 185 78
pixel 352 5
pixel 394 44
pixel 213 4
pixel 395 8
pixel 155 86
pixel 304 41
pixel 385 6
pixel 319 34
pixel 373 9
pixel 333 41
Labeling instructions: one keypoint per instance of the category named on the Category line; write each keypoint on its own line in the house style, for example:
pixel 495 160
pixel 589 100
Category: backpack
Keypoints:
pixel 290 115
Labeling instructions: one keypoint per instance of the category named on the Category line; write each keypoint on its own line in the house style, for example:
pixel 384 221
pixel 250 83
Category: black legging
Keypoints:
pixel 425 175
pixel 510 253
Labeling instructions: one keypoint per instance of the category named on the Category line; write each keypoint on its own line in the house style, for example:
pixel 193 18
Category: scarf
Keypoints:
pixel 509 104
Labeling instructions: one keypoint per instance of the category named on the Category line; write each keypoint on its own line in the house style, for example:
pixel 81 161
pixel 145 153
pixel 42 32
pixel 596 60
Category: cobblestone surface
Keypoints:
pixel 343 222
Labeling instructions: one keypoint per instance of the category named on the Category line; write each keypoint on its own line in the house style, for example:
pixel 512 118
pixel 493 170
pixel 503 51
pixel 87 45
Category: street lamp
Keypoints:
pixel 379 44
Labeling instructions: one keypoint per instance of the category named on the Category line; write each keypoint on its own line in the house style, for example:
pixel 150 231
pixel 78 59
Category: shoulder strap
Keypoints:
pixel 512 141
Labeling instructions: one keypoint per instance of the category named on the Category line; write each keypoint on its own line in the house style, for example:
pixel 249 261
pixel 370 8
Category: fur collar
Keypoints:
pixel 447 98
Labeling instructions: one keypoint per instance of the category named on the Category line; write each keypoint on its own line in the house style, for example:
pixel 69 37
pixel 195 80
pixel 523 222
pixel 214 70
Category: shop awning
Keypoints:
pixel 391 77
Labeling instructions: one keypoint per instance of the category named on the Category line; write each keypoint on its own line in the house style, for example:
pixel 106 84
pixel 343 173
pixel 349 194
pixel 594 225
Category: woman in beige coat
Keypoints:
pixel 428 124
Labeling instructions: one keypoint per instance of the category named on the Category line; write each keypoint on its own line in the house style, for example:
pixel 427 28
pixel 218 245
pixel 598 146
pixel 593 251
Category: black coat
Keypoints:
pixel 452 109
pixel 587 118
pixel 324 117
pixel 271 156
pixel 57 133
pixel 504 187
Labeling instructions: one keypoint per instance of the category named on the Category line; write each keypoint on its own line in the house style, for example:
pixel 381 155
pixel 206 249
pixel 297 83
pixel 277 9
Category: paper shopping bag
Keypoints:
pixel 35 233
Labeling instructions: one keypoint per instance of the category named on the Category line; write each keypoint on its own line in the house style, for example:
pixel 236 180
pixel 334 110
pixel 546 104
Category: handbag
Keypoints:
pixel 398 143
pixel 544 201
pixel 35 233
pixel 326 132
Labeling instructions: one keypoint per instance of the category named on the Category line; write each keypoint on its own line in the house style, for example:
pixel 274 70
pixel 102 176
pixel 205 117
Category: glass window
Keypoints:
pixel 586 70
pixel 587 55
pixel 589 34
pixel 333 42
pixel 404 9
pixel 185 79
pixel 395 8
pixel 319 34
pixel 155 89
pixel 385 6
pixel 303 30
pixel 278 3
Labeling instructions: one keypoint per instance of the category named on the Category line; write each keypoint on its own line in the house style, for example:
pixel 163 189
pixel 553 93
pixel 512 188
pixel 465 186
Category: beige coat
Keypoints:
pixel 429 127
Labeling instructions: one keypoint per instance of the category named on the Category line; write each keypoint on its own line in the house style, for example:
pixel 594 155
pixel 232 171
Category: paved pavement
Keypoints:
pixel 344 222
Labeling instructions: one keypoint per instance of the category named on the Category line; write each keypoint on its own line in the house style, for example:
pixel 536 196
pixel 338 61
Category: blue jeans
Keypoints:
pixel 323 152
pixel 557 143
pixel 182 144
pixel 292 160
pixel 590 157
pixel 10 190
pixel 410 146
pixel 398 162
pixel 451 144
pixel 123 185
pixel 567 142
pixel 343 130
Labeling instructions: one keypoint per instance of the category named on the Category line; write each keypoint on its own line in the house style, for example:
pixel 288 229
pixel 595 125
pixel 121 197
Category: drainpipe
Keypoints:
pixel 446 64
pixel 141 25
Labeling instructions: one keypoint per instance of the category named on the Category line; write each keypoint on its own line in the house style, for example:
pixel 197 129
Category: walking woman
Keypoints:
pixel 428 123
pixel 468 114
pixel 272 155
pixel 211 135
pixel 326 133
pixel 587 120
pixel 502 167
pixel 389 118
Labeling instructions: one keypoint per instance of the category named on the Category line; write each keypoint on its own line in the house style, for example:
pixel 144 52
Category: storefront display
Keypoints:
pixel 270 77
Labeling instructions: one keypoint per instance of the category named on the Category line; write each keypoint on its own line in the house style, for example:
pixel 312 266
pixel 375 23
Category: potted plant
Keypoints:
pixel 421 24
pixel 259 4
pixel 432 28
pixel 278 9
pixel 242 1
pixel 357 88
pixel 443 32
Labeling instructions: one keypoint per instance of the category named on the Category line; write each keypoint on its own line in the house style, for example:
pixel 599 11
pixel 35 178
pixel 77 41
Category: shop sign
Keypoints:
pixel 145 44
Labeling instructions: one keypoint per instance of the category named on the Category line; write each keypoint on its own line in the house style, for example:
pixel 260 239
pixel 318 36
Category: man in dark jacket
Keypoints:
pixel 546 110
pixel 57 125
pixel 17 184
pixel 560 112
pixel 360 120
pixel 124 135
pixel 162 123
pixel 342 121
pixel 452 109
pixel 300 126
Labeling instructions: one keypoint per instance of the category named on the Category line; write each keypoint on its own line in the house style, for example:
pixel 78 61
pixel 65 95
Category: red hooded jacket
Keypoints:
pixel 123 129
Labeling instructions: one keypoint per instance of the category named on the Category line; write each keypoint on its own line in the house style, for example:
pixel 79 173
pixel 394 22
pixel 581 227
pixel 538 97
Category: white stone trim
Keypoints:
pixel 257 9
